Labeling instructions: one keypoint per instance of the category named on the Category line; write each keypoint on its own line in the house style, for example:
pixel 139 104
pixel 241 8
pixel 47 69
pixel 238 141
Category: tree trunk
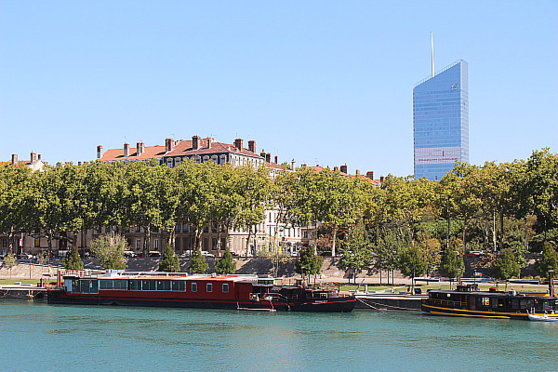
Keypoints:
pixel 333 244
pixel 501 234
pixel 448 231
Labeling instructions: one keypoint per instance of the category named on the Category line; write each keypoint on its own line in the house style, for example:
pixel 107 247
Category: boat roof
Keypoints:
pixel 121 275
pixel 511 293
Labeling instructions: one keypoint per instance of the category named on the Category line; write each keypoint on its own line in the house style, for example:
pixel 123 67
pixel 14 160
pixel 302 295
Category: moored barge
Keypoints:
pixel 196 291
pixel 468 301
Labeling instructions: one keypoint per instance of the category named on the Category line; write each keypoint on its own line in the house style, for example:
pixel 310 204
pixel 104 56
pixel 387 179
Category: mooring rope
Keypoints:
pixel 383 305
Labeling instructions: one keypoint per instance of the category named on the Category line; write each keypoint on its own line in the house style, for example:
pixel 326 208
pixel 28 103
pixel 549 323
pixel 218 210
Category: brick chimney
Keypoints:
pixel 239 143
pixel 336 169
pixel 140 147
pixel 370 175
pixel 381 179
pixel 209 142
pixel 268 157
pixel 33 157
pixel 15 159
pixel 252 146
pixel 99 152
pixel 344 169
pixel 196 142
pixel 126 150
pixel 293 164
pixel 357 172
pixel 168 144
pixel 276 159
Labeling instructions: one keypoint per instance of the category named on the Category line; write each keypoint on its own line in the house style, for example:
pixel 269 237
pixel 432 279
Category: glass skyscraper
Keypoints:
pixel 441 121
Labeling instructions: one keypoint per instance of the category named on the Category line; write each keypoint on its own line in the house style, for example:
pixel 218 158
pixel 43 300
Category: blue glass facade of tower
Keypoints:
pixel 441 122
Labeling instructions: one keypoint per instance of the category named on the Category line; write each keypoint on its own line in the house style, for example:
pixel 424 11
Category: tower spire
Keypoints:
pixel 432 70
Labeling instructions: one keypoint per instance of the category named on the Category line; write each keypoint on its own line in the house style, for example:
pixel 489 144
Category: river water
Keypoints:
pixel 41 337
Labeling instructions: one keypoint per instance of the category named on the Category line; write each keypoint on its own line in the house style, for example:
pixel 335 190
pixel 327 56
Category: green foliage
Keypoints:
pixel 226 264
pixel 309 262
pixel 109 251
pixel 508 205
pixel 10 260
pixel 451 265
pixel 412 262
pixel 198 263
pixel 355 250
pixel 72 261
pixel 170 262
pixel 387 248
pixel 548 261
pixel 506 265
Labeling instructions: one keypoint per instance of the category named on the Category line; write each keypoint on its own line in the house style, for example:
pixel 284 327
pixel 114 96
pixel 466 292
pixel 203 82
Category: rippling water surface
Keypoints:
pixel 41 337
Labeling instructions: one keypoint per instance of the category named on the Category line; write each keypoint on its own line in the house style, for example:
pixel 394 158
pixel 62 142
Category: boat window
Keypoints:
pixel 106 284
pixel 209 287
pixel 76 288
pixel 163 285
pixel 225 287
pixel 148 285
pixel 88 286
pixel 485 301
pixel 135 285
pixel 121 284
pixel 526 303
pixel 194 287
pixel 178 285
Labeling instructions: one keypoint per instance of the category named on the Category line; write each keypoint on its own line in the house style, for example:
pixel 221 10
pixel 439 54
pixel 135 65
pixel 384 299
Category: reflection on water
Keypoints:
pixel 68 338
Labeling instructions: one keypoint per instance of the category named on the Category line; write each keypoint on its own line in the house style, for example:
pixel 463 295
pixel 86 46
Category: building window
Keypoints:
pixel 156 244
pixel 209 287
pixel 138 244
pixel 37 242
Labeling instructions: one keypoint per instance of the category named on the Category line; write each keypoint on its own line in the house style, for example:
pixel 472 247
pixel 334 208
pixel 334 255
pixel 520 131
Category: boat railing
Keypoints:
pixel 448 303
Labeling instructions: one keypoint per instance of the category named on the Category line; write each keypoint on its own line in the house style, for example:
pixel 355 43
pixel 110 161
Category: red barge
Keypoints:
pixel 196 291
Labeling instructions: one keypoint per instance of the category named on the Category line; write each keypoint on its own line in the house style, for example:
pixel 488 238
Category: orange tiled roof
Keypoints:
pixel 181 148
pixel 149 152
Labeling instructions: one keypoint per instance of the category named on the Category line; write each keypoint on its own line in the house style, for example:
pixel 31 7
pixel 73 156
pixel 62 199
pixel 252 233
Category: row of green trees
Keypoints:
pixel 416 226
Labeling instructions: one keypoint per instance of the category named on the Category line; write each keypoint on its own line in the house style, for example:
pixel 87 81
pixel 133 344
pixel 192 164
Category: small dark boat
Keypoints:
pixel 469 301
pixel 197 291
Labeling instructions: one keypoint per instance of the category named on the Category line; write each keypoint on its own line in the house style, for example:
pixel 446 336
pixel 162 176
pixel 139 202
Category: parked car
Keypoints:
pixel 154 254
pixel 207 254
pixel 475 253
pixel 187 253
pixel 129 254
pixel 234 254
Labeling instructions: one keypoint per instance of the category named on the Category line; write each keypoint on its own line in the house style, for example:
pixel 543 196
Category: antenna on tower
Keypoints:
pixel 432 53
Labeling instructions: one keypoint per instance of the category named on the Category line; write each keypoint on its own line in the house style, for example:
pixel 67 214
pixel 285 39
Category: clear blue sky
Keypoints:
pixel 327 82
